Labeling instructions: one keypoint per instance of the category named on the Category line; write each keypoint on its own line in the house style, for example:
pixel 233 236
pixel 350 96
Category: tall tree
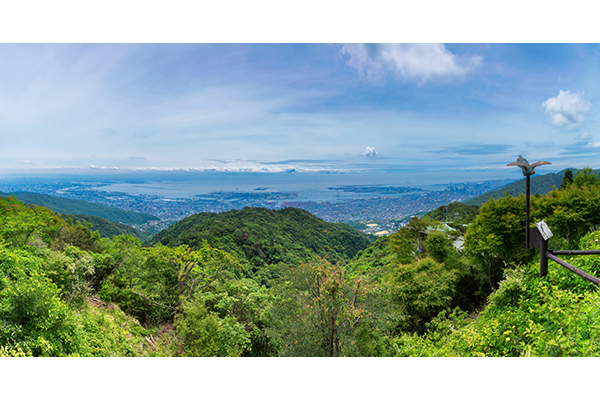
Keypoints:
pixel 567 179
pixel 319 310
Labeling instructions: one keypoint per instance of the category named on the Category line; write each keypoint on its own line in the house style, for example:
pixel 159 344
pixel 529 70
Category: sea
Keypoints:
pixel 308 186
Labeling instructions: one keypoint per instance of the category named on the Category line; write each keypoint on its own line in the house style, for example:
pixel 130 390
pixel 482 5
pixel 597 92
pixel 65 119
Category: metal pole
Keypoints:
pixel 527 214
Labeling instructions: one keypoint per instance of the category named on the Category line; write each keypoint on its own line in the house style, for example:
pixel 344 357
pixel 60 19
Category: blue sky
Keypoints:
pixel 462 109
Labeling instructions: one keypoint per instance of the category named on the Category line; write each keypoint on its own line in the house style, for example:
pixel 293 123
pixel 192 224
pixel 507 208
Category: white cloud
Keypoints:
pixel 567 109
pixel 421 63
pixel 370 152
pixel 593 145
pixel 584 136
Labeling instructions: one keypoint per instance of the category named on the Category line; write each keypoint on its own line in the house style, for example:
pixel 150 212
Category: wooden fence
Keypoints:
pixel 539 238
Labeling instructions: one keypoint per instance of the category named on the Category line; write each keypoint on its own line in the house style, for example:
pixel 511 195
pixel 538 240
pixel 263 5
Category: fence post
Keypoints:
pixel 541 238
pixel 543 258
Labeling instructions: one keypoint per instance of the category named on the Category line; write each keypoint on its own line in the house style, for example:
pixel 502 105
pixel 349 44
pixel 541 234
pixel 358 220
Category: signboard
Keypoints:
pixel 544 230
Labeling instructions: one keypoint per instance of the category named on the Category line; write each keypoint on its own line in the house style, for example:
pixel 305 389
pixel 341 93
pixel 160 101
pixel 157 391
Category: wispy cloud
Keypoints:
pixel 540 145
pixel 420 63
pixel 584 136
pixel 475 149
pixel 293 162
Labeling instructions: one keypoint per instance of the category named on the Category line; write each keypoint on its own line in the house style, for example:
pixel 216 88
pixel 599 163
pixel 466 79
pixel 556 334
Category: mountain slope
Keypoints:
pixel 80 207
pixel 108 228
pixel 541 184
pixel 265 237
pixel 454 212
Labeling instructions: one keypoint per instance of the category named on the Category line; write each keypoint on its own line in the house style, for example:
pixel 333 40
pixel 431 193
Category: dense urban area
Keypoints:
pixel 378 210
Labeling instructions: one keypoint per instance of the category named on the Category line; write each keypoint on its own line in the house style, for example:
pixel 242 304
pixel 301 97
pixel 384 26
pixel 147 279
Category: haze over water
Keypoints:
pixel 309 186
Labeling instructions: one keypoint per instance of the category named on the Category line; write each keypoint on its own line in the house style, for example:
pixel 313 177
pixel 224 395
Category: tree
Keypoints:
pixel 206 334
pixel 497 237
pixel 32 316
pixel 438 246
pixel 571 212
pixel 196 269
pixel 567 179
pixel 422 289
pixel 408 242
pixel 586 177
pixel 319 310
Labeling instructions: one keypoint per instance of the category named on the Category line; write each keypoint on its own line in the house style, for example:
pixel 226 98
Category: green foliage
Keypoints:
pixel 567 179
pixel 497 237
pixel 206 334
pixel 20 225
pixel 457 215
pixel 438 246
pixel 108 229
pixel 572 212
pixel 422 290
pixel 105 331
pixel 32 316
pixel 408 242
pixel 374 260
pixel 76 234
pixel 586 177
pixel 526 316
pixel 318 312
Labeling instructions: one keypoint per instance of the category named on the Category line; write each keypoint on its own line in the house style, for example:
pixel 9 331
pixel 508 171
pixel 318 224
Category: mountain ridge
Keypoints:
pixel 61 205
pixel 540 184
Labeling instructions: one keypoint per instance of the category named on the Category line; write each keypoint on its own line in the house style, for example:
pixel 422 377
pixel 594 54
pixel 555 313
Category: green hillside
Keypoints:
pixel 109 229
pixel 541 184
pixel 80 207
pixel 264 236
pixel 454 212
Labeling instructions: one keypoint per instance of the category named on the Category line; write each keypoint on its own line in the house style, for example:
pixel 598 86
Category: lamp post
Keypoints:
pixel 528 170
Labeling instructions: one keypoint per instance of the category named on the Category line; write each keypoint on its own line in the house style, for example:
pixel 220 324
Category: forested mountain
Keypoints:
pixel 62 205
pixel 541 184
pixel 262 236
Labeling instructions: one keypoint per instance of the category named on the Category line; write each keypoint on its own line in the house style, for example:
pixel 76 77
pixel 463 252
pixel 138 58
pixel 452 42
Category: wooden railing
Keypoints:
pixel 539 238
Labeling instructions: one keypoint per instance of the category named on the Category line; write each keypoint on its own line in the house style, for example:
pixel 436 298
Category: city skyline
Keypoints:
pixel 464 110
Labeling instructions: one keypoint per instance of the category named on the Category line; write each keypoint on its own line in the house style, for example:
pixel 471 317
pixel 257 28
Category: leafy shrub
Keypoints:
pixel 422 290
pixel 206 334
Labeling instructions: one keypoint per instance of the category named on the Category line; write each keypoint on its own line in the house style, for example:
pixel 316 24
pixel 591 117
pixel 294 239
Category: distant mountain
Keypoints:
pixel 80 207
pixel 541 184
pixel 266 237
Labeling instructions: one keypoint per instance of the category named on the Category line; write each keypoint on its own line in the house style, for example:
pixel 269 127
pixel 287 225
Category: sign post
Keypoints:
pixel 545 234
